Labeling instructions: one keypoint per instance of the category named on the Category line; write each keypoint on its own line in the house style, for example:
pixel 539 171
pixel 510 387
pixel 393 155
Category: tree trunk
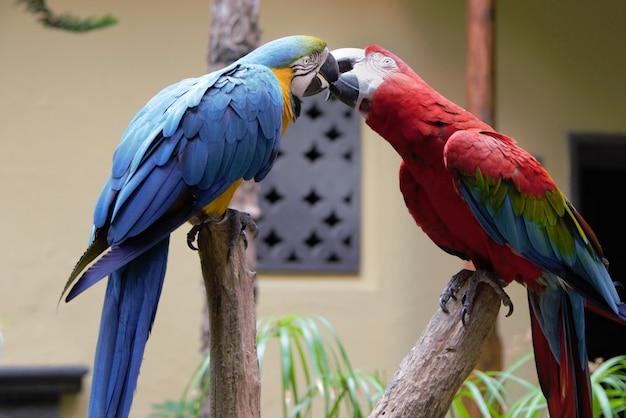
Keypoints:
pixel 234 32
pixel 235 386
pixel 427 379
pixel 480 101
pixel 480 59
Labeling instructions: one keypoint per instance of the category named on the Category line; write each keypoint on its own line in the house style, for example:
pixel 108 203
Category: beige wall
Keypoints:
pixel 65 99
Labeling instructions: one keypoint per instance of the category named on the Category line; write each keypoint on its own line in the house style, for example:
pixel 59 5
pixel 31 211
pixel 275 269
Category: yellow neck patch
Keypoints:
pixel 220 204
pixel 284 76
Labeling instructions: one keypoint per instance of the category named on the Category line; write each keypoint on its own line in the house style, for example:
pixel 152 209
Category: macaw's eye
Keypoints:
pixel 306 64
pixel 383 64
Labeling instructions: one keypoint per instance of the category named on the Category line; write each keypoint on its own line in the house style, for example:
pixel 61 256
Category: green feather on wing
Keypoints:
pixel 519 219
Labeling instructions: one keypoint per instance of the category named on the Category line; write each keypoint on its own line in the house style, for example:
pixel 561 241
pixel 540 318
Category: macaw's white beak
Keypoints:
pixel 347 57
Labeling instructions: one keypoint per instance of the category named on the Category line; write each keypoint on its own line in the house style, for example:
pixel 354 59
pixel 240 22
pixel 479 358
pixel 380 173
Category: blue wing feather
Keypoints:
pixel 227 160
pixel 483 213
pixel 195 135
pixel 271 157
pixel 235 129
pixel 192 122
pixel 165 149
pixel 104 203
pixel 259 155
pixel 551 239
pixel 214 159
pixel 171 188
pixel 193 160
pixel 214 127
pixel 244 155
pixel 538 239
pixel 533 241
pixel 188 145
pixel 199 150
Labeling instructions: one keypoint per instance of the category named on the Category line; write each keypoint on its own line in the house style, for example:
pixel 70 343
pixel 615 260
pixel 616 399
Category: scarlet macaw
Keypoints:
pixel 182 157
pixel 479 196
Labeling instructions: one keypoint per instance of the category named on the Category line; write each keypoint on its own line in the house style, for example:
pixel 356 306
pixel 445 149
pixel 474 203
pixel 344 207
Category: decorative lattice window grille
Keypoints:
pixel 310 200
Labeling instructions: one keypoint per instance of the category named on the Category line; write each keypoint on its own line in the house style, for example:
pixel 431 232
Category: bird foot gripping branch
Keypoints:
pixel 198 221
pixel 475 278
pixel 240 223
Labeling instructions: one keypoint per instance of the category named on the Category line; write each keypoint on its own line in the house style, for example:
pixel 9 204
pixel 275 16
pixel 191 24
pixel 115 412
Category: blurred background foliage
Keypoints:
pixel 66 21
pixel 319 381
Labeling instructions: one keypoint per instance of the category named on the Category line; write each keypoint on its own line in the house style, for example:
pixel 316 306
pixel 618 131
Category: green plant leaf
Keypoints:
pixel 315 370
pixel 66 21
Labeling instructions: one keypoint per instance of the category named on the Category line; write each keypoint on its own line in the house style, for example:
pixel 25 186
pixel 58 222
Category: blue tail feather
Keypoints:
pixel 129 308
pixel 558 329
pixel 124 253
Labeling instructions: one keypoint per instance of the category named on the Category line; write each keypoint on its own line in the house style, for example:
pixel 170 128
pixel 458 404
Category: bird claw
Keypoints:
pixel 452 288
pixel 478 276
pixel 242 222
pixel 197 221
pixel 192 235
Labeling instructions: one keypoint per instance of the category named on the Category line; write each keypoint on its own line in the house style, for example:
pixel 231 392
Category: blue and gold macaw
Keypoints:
pixel 182 156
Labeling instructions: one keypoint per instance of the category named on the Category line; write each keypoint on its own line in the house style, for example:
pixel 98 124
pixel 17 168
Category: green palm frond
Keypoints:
pixel 315 368
pixel 316 374
pixel 608 384
pixel 492 392
pixel 66 21
pixel 317 379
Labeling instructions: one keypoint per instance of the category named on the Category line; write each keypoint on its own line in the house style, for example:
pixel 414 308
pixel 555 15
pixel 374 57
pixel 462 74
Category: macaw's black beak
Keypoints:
pixel 330 72
pixel 346 88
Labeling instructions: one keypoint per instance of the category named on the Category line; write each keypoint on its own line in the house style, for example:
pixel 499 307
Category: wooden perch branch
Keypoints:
pixel 235 388
pixel 424 384
pixel 426 381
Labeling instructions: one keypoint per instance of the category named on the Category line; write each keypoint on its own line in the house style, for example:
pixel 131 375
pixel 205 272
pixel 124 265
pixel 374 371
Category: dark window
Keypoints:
pixel 310 201
pixel 598 175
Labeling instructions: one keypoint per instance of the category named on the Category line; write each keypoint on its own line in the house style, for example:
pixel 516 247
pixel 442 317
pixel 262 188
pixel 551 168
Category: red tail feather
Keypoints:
pixel 564 383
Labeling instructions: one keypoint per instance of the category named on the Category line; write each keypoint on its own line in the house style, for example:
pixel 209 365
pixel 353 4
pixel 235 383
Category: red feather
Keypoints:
pixel 417 121
pixel 566 386
pixel 437 140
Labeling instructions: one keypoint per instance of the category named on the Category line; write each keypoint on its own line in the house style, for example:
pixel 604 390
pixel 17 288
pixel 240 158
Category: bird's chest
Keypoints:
pixel 424 159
